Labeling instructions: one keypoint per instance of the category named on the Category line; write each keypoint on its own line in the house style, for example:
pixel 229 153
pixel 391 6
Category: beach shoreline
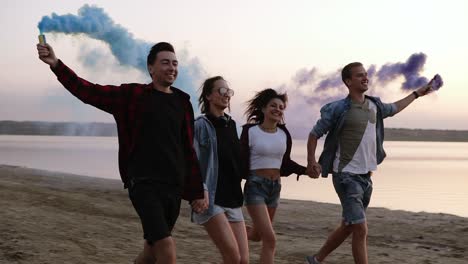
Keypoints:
pixel 53 217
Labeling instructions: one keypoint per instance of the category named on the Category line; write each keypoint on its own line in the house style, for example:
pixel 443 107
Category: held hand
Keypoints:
pixel 313 170
pixel 47 54
pixel 200 205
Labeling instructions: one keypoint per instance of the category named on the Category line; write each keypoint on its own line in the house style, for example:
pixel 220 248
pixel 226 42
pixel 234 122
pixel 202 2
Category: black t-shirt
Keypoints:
pixel 228 188
pixel 159 153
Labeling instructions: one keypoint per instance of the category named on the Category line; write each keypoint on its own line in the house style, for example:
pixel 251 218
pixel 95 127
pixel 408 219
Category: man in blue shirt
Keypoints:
pixel 353 148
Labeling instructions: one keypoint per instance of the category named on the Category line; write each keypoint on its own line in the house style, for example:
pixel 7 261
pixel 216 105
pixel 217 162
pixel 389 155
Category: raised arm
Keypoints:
pixel 403 103
pixel 108 98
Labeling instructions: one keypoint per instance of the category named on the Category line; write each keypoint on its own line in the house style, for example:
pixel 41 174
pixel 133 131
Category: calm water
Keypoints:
pixel 416 176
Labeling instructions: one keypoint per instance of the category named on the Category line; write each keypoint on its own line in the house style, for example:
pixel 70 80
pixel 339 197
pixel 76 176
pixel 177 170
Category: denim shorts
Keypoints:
pixel 260 190
pixel 354 191
pixel 232 214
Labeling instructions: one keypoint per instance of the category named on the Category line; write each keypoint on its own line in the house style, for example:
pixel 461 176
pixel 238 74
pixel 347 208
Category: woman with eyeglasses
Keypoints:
pixel 265 149
pixel 217 146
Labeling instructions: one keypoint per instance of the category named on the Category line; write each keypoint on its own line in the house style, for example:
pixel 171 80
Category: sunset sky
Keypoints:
pixel 254 44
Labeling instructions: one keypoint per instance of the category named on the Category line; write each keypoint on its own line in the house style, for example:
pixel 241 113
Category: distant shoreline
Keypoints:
pixel 97 129
pixel 405 134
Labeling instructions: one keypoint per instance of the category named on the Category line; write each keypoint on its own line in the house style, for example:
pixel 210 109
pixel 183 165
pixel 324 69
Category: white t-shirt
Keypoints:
pixel 266 149
pixel 357 145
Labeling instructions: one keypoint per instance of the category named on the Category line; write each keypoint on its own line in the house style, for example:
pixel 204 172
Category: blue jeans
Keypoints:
pixel 354 191
pixel 259 190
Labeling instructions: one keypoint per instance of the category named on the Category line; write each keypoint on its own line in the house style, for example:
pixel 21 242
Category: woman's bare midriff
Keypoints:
pixel 271 174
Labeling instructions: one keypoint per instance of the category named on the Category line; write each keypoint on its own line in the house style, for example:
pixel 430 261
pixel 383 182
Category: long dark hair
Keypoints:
pixel 206 90
pixel 259 101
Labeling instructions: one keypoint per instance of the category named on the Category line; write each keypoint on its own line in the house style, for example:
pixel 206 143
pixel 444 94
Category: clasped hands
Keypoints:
pixel 200 205
pixel 313 169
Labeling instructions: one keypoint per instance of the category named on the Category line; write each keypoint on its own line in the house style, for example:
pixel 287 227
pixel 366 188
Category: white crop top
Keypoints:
pixel 266 149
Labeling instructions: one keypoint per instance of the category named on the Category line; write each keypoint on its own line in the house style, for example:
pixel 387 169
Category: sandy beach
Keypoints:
pixel 51 217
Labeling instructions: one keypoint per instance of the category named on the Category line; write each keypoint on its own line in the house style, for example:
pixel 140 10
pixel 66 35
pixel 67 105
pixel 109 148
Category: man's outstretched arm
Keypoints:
pixel 105 97
pixel 403 103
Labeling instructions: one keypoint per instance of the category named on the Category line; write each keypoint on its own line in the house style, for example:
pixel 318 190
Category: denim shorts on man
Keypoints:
pixel 260 190
pixel 157 207
pixel 354 191
pixel 232 214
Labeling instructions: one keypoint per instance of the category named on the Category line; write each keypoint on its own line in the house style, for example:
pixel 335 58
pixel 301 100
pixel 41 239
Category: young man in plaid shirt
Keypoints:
pixel 157 161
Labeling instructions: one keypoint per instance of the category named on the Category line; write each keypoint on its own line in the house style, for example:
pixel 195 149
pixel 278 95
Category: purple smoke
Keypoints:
pixel 410 70
pixel 371 71
pixel 437 82
pixel 333 81
pixel 309 90
pixel 303 76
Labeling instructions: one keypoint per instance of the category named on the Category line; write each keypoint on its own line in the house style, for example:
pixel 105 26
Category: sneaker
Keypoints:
pixel 312 260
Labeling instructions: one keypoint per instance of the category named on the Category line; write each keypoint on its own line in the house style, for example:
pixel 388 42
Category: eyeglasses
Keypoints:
pixel 226 91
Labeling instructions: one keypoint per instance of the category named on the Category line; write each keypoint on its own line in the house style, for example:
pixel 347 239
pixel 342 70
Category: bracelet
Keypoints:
pixel 416 95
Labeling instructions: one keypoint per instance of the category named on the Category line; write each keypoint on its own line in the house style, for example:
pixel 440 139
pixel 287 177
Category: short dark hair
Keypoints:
pixel 206 90
pixel 158 47
pixel 346 73
pixel 261 99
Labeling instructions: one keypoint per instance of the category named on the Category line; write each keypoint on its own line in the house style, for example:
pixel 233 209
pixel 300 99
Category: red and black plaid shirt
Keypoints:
pixel 125 103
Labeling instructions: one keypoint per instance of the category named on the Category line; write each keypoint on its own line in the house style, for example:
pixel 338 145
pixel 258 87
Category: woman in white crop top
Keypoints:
pixel 265 154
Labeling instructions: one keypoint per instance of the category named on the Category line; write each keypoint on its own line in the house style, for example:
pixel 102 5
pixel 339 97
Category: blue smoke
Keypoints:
pixel 96 24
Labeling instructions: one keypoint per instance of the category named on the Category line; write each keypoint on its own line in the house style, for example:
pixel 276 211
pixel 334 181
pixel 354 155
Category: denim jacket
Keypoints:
pixel 205 145
pixel 332 117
